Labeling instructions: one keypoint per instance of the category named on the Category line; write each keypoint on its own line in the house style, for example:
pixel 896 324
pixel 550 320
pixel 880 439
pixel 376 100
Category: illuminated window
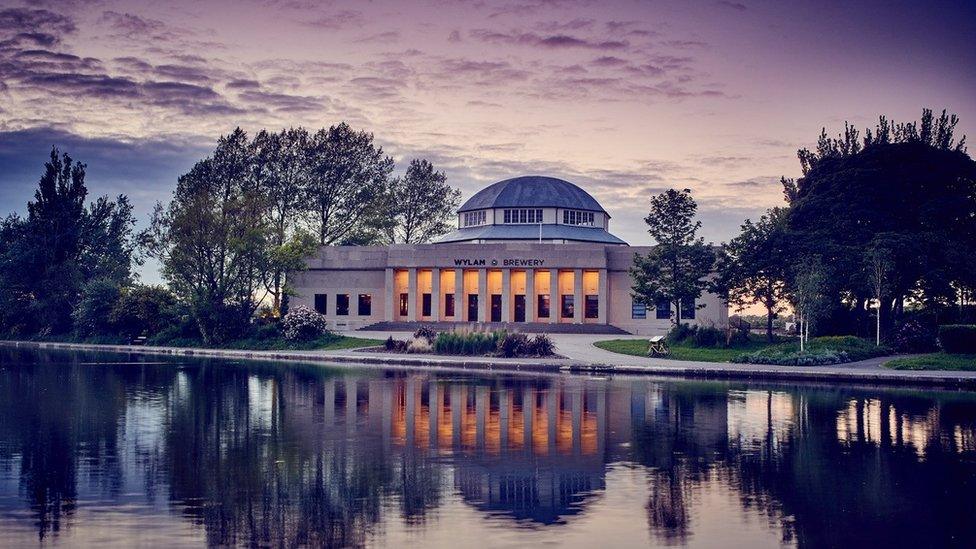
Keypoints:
pixel 568 309
pixel 543 311
pixel 404 304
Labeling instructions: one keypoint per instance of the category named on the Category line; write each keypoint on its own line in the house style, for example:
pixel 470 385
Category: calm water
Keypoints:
pixel 118 450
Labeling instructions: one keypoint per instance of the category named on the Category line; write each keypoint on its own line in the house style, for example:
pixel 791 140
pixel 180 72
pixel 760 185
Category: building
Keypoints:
pixel 531 251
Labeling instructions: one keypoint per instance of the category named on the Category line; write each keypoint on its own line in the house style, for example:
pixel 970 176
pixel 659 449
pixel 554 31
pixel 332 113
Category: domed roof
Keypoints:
pixel 533 191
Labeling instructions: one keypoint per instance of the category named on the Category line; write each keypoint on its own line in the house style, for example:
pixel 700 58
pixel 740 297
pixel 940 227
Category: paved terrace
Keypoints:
pixel 580 356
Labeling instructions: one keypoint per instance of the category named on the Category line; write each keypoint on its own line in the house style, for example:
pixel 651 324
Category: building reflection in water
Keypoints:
pixel 288 455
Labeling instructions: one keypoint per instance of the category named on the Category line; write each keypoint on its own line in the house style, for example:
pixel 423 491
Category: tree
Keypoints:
pixel 212 240
pixel 676 268
pixel 46 259
pixel 809 294
pixel 422 204
pixel 752 266
pixel 911 183
pixel 144 310
pixel 92 314
pixel 282 169
pixel 879 266
pixel 348 186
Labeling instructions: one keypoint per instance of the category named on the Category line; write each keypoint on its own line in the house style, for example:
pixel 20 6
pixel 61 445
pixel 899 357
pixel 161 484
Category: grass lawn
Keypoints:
pixel 855 349
pixel 638 347
pixel 934 361
pixel 277 344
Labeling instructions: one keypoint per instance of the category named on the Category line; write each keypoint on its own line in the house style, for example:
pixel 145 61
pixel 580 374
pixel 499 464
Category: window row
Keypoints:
pixel 523 216
pixel 577 217
pixel 364 303
pixel 591 306
pixel 479 217
pixel 663 310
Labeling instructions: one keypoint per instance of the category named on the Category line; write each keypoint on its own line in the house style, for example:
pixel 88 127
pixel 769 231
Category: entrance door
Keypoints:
pixel 472 307
pixel 496 307
pixel 519 307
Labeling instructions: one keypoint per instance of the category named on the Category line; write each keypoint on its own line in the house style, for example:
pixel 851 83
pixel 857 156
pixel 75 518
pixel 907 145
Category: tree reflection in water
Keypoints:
pixel 289 455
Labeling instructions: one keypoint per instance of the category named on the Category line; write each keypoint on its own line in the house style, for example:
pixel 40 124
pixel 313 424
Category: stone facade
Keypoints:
pixel 579 283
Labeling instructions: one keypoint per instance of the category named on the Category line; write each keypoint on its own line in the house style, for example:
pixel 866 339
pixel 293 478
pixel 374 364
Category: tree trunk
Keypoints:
pixel 769 324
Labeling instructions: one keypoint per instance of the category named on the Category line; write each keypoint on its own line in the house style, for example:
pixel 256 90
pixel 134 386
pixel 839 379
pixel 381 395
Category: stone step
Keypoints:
pixel 523 327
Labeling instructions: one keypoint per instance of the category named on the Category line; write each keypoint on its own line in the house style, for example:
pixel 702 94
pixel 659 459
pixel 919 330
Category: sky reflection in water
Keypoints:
pixel 110 450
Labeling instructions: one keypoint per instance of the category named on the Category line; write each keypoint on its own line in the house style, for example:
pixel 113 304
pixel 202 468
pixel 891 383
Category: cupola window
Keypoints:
pixel 577 217
pixel 523 216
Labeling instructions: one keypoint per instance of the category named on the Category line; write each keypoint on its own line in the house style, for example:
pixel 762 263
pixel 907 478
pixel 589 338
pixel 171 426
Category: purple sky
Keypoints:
pixel 624 98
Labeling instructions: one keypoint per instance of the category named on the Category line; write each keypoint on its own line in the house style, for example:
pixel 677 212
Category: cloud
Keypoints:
pixel 387 37
pixel 553 41
pixel 733 5
pixel 282 102
pixel 26 20
pixel 338 20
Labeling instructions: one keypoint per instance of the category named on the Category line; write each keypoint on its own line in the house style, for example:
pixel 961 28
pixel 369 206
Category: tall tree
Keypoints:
pixel 879 266
pixel 46 258
pixel 752 266
pixel 676 269
pixel 211 240
pixel 282 169
pixel 422 204
pixel 348 188
pixel 911 183
pixel 809 295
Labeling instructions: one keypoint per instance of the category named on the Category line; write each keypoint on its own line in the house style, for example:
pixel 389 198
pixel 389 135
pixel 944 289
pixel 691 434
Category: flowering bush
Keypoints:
pixel 303 324
pixel 426 332
pixel 419 345
pixel 913 336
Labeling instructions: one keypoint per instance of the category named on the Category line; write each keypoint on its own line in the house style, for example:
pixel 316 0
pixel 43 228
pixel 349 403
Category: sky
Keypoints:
pixel 625 98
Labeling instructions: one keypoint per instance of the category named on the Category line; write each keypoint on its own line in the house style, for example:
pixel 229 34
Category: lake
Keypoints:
pixel 124 450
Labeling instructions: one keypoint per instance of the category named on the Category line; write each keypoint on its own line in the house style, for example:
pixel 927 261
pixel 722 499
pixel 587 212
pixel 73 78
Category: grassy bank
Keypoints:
pixel 934 361
pixel 838 349
pixel 332 342
pixel 682 351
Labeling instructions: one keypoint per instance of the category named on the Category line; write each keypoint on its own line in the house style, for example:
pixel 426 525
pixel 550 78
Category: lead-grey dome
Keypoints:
pixel 532 191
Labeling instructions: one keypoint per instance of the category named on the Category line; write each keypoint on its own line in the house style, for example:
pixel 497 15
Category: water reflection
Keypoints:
pixel 205 451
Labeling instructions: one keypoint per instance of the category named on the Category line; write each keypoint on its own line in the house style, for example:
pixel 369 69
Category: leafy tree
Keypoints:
pixel 212 240
pixel 912 184
pixel 879 264
pixel 144 310
pixel 46 258
pixel 348 186
pixel 422 204
pixel 92 314
pixel 676 268
pixel 282 168
pixel 809 295
pixel 752 266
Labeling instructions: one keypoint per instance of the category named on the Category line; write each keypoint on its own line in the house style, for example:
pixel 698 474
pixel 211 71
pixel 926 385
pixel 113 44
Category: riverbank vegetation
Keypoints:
pixel 818 351
pixel 934 361
pixel 877 239
pixel 238 222
pixel 498 343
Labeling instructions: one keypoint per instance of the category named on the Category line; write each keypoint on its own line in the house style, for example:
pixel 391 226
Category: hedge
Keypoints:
pixel 958 338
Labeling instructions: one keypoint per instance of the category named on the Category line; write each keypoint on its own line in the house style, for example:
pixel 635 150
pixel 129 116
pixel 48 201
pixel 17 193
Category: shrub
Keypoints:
pixel 708 336
pixel 913 336
pixel 92 314
pixel 427 333
pixel 541 345
pixel 513 345
pixel 419 345
pixel 395 345
pixel 795 358
pixel 680 333
pixel 820 350
pixel 467 343
pixel 958 338
pixel 145 310
pixel 303 324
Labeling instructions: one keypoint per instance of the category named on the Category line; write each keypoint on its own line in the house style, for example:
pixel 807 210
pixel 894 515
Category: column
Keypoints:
pixel 578 305
pixel 390 302
pixel 530 299
pixel 435 294
pixel 459 305
pixel 411 294
pixel 554 296
pixel 506 295
pixel 482 295
pixel 604 298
